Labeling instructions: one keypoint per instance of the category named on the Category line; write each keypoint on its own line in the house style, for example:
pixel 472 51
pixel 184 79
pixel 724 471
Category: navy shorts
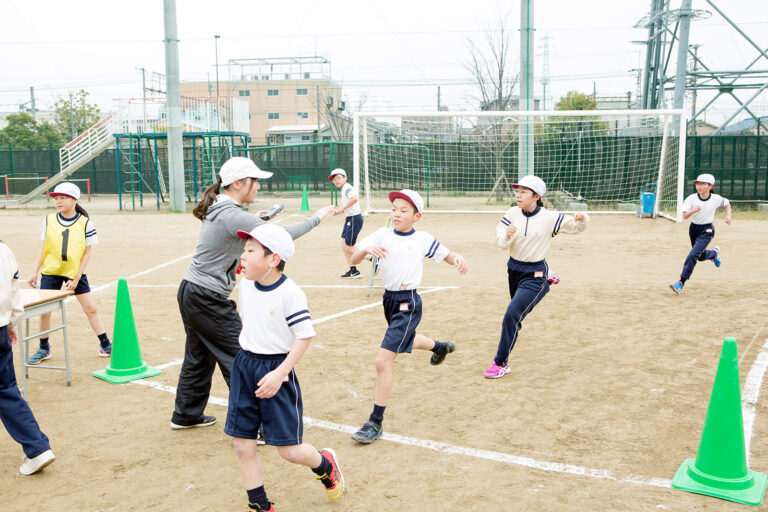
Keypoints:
pixel 280 415
pixel 402 310
pixel 56 282
pixel 352 227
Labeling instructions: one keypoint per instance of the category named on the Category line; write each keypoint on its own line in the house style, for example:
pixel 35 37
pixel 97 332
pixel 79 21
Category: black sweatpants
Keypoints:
pixel 213 327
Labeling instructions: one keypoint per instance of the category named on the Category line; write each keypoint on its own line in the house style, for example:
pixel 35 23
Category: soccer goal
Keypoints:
pixel 595 161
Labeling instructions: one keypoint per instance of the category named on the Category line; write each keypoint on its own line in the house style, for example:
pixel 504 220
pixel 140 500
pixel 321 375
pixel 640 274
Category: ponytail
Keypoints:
pixel 539 202
pixel 209 196
pixel 79 209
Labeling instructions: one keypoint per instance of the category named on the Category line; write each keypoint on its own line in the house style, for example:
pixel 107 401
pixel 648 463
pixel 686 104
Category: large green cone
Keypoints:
pixel 720 468
pixel 304 200
pixel 125 363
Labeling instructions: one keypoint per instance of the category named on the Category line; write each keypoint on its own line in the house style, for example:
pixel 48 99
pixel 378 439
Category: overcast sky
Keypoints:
pixel 97 45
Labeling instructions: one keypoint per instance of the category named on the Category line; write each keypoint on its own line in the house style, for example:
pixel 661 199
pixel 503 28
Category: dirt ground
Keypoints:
pixel 607 396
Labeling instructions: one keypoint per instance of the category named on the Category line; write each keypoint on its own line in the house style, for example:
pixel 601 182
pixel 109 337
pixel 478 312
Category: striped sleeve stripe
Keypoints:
pixel 90 233
pixel 296 314
pixel 300 319
pixel 433 251
pixel 558 223
pixel 16 275
pixel 431 247
pixel 505 221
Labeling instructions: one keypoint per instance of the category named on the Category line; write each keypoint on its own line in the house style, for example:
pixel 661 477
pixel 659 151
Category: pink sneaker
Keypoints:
pixel 552 277
pixel 496 372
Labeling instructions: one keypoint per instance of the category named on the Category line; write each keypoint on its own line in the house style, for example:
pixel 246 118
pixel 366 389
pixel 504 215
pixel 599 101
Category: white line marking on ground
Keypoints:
pixel 175 362
pixel 556 467
pixel 373 305
pixel 139 274
pixel 752 392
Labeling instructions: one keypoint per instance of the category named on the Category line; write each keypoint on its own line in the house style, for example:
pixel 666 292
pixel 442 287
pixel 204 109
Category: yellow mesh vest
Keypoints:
pixel 64 246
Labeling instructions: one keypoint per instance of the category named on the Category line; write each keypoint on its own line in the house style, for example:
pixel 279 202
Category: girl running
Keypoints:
pixel 67 239
pixel 527 230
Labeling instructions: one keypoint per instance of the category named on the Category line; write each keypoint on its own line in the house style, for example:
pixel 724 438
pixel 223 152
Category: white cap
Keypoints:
pixel 338 171
pixel 273 237
pixel 705 178
pixel 532 182
pixel 238 168
pixel 66 189
pixel 409 195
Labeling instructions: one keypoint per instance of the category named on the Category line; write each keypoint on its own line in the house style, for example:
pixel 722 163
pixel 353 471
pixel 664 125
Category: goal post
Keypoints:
pixel 599 161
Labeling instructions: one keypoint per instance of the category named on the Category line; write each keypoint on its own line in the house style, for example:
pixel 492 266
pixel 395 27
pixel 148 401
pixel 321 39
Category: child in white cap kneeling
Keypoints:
pixel 264 390
pixel 700 208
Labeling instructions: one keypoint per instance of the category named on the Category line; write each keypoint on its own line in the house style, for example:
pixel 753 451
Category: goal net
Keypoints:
pixel 595 161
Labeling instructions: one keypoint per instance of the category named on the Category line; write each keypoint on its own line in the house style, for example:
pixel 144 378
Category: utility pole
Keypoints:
pixel 216 43
pixel 71 117
pixel 317 97
pixel 173 101
pixel 32 103
pixel 438 98
pixel 682 53
pixel 693 87
pixel 144 97
pixel 545 72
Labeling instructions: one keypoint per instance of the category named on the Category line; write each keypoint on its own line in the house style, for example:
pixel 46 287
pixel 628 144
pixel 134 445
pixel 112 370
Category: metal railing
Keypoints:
pixel 87 145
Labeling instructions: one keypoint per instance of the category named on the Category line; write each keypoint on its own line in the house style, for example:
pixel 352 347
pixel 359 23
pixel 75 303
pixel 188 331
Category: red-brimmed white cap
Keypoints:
pixel 273 237
pixel 532 182
pixel 238 168
pixel 409 195
pixel 339 171
pixel 705 178
pixel 66 189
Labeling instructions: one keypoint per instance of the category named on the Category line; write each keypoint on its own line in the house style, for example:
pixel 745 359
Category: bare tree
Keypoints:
pixel 489 64
pixel 337 114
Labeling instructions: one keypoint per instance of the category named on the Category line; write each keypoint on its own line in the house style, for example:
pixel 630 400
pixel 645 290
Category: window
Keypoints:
pixel 302 92
pixel 305 137
pixel 273 92
pixel 306 75
pixel 243 93
pixel 287 76
pixel 302 115
pixel 273 115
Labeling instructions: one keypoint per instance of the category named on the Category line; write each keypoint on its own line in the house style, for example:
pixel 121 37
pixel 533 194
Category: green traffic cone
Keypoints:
pixel 125 364
pixel 304 200
pixel 720 468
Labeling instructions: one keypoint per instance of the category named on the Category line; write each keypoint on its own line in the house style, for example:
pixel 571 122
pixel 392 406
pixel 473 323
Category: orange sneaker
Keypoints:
pixel 333 481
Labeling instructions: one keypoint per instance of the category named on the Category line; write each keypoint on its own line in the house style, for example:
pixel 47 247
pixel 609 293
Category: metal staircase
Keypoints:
pixel 73 156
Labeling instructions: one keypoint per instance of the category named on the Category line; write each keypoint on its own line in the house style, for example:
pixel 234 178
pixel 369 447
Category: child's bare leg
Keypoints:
pixel 304 454
pixel 349 250
pixel 45 322
pixel 421 342
pixel 248 461
pixel 89 308
pixel 385 363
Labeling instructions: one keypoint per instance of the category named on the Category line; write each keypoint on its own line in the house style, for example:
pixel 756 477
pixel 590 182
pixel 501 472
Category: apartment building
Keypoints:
pixel 290 100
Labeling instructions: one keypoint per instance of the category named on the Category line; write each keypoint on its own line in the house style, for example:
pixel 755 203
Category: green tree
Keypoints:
pixel 77 117
pixel 576 100
pixel 24 133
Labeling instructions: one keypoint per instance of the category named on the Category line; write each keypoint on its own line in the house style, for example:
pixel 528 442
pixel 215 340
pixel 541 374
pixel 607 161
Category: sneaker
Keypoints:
pixel 347 274
pixel 105 351
pixel 35 464
pixel 439 358
pixel 369 432
pixel 259 509
pixel 333 482
pixel 41 355
pixel 205 421
pixel 496 372
pixel 716 260
pixel 677 287
pixel 354 274
pixel 552 277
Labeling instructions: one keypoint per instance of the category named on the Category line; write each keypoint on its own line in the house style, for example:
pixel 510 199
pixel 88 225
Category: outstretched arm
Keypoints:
pixel 728 219
pixel 458 260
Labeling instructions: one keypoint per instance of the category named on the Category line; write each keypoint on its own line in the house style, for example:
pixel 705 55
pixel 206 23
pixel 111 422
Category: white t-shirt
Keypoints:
pixel 274 317
pixel 534 233
pixel 708 208
pixel 403 267
pixel 347 193
pixel 91 237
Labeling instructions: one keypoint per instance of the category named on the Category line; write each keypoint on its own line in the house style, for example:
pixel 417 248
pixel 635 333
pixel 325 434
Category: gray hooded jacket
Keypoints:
pixel 216 258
